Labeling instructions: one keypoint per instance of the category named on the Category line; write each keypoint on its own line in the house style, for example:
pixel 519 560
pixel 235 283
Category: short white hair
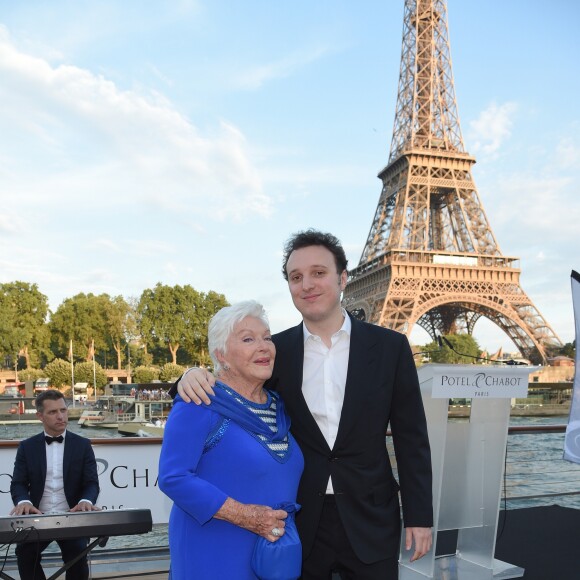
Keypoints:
pixel 222 324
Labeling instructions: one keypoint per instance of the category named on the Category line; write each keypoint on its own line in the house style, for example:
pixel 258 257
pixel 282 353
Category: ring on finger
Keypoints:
pixel 276 532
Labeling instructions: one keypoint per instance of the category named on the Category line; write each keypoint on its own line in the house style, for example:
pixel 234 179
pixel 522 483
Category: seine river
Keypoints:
pixel 21 431
pixel 534 467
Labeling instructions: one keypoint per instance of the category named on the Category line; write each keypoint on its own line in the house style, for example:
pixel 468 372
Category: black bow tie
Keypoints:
pixel 50 440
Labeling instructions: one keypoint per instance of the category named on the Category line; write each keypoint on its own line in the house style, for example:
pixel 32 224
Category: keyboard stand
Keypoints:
pixel 100 541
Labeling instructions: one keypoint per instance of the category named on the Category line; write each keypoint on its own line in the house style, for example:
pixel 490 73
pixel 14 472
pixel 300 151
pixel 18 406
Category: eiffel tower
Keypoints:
pixel 431 257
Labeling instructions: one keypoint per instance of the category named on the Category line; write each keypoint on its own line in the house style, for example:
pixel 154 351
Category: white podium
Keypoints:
pixel 468 466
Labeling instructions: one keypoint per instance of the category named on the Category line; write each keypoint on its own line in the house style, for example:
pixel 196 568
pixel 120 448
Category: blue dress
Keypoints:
pixel 206 458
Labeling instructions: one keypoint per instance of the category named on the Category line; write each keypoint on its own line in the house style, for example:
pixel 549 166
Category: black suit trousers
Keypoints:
pixel 29 556
pixel 332 555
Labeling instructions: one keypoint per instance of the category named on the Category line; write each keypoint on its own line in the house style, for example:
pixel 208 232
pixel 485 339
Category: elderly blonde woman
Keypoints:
pixel 226 465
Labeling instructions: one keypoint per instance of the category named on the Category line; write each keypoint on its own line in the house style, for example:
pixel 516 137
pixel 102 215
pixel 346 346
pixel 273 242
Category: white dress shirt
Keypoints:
pixel 53 499
pixel 324 379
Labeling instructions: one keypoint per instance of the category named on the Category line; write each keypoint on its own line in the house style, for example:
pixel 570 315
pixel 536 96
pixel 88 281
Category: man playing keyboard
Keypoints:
pixel 54 471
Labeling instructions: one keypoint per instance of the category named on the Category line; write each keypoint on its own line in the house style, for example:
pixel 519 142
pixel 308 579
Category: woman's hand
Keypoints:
pixel 260 519
pixel 195 385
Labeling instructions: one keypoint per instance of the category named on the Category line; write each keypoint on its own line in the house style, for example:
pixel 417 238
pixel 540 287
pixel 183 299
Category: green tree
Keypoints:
pixel 210 304
pixel 82 319
pixel 169 316
pixel 569 350
pixel 30 374
pixel 140 356
pixel 170 372
pixel 59 373
pixel 463 344
pixel 12 335
pixel 119 324
pixel 84 373
pixel 23 328
pixel 145 374
pixel 9 340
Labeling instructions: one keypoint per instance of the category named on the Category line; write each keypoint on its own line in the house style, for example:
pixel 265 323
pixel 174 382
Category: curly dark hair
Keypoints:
pixel 312 237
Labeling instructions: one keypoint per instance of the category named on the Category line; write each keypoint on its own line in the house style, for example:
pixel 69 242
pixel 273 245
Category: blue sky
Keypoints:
pixel 182 142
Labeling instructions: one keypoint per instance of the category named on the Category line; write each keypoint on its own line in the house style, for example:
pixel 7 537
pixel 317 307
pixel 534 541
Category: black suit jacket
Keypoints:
pixel 81 480
pixel 381 388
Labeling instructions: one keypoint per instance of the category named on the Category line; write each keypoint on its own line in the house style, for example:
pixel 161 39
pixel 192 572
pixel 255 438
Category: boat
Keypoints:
pixel 138 429
pixel 112 411
pixel 147 418
pixel 107 411
pixel 17 410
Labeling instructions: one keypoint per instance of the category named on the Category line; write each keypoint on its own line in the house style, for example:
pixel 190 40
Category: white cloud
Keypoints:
pixel 150 248
pixel 106 244
pixel 132 247
pixel 492 128
pixel 87 135
pixel 10 223
pixel 568 153
pixel 541 204
pixel 257 76
pixel 161 76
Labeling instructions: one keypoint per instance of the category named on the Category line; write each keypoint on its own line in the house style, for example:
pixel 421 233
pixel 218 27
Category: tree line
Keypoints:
pixel 165 325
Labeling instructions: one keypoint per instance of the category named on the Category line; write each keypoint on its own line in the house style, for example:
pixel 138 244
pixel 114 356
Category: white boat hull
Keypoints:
pixel 138 429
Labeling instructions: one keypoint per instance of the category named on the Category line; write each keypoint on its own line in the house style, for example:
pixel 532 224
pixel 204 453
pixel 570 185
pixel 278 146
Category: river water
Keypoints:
pixel 534 466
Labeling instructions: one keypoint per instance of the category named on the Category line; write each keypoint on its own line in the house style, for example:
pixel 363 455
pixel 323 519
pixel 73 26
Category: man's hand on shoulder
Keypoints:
pixel 195 385
pixel 23 509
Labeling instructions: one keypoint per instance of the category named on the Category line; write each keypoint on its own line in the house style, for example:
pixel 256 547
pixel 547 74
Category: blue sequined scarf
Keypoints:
pixel 227 406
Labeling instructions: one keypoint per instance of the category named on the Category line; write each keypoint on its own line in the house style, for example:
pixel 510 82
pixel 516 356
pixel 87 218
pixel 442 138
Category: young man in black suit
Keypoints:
pixel 343 381
pixel 54 471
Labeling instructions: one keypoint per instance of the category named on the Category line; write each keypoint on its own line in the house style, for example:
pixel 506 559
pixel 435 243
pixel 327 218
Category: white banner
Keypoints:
pixel 127 477
pixel 572 440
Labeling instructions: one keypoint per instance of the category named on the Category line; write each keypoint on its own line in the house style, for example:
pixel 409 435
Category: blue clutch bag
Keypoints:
pixel 280 560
